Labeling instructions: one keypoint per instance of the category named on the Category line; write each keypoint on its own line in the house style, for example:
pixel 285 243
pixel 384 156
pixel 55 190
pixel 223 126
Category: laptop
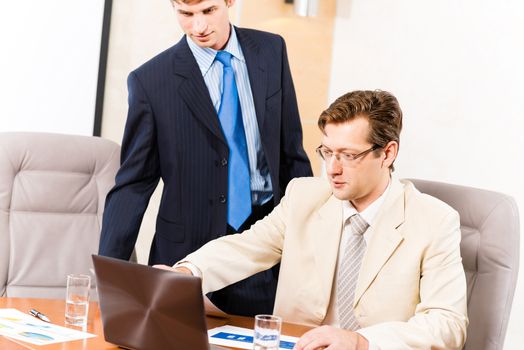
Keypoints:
pixel 145 308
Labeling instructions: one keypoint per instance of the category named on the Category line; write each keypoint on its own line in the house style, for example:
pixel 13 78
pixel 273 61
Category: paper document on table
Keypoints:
pixel 21 326
pixel 242 338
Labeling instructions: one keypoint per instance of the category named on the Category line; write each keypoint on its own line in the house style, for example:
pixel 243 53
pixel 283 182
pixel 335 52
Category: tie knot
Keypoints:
pixel 224 57
pixel 358 225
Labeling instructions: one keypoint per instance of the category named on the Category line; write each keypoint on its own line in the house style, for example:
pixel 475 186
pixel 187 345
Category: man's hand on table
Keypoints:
pixel 331 338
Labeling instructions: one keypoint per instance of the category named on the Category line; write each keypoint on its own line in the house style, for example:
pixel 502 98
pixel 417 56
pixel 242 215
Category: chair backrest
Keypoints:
pixel 489 222
pixel 52 194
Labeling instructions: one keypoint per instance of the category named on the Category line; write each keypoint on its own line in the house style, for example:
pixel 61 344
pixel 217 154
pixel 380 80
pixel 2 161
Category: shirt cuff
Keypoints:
pixel 191 267
pixel 371 345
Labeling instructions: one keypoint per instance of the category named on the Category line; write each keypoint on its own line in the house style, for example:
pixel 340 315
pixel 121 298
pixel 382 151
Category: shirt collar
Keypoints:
pixel 205 56
pixel 370 212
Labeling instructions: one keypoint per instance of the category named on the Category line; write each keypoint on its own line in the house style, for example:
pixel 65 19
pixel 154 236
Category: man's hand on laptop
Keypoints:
pixel 179 269
pixel 188 268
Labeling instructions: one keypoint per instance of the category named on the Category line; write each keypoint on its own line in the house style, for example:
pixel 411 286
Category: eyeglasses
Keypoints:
pixel 344 158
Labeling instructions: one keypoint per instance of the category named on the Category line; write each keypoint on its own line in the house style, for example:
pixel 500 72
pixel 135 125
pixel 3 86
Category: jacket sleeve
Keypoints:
pixel 136 179
pixel 232 258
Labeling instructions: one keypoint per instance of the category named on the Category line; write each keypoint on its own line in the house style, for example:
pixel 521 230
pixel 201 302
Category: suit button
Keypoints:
pixel 223 162
pixel 222 199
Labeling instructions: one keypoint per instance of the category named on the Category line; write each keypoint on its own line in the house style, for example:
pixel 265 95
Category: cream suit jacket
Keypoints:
pixel 411 291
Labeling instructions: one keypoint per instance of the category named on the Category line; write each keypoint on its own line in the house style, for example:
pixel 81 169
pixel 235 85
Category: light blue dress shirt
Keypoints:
pixel 261 187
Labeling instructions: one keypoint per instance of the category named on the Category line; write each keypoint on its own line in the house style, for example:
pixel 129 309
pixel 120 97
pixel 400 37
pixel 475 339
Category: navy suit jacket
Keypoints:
pixel 173 133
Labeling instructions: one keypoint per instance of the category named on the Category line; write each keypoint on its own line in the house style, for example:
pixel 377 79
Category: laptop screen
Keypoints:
pixel 147 308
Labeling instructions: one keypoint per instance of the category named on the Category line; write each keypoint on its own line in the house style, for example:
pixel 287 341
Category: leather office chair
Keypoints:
pixel 489 222
pixel 52 194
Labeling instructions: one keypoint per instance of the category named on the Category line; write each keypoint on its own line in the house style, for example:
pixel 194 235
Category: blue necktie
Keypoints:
pixel 229 114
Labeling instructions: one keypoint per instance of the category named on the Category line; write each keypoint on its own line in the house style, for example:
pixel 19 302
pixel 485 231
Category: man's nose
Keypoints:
pixel 333 166
pixel 199 24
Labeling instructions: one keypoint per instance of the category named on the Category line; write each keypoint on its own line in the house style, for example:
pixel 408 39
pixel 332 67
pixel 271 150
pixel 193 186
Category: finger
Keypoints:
pixel 316 338
pixel 314 333
pixel 305 339
pixel 318 344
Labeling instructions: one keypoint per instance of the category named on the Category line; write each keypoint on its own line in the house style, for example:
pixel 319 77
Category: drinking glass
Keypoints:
pixel 267 332
pixel 77 299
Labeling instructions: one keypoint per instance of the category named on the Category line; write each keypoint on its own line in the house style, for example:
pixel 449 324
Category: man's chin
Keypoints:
pixel 340 194
pixel 203 43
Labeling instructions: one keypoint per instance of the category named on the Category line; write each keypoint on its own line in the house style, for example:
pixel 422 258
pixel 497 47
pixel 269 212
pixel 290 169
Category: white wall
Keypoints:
pixel 49 65
pixel 457 69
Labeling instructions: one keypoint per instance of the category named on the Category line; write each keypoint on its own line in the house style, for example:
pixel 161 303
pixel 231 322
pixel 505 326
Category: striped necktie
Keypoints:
pixel 348 272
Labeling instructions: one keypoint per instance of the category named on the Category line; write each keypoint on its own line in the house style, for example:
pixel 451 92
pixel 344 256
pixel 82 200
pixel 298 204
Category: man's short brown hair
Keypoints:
pixel 381 109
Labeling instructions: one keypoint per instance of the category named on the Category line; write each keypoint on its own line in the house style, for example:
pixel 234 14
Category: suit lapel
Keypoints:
pixel 327 229
pixel 385 238
pixel 193 89
pixel 257 71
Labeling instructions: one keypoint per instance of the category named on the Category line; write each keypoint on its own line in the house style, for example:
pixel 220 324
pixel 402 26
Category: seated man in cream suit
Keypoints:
pixel 368 258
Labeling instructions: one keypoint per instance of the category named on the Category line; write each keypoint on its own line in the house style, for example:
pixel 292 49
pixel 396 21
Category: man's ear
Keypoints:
pixel 390 151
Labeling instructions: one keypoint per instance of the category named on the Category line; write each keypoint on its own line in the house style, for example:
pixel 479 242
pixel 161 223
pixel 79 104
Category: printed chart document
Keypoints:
pixel 242 338
pixel 21 326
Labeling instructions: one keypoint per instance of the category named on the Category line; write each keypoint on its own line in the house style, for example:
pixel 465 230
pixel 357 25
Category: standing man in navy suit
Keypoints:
pixel 175 132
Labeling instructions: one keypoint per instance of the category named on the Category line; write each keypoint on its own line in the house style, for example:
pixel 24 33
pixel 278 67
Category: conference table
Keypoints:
pixel 54 309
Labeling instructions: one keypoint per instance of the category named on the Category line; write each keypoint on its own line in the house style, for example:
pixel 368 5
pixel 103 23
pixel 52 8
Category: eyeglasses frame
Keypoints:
pixel 352 158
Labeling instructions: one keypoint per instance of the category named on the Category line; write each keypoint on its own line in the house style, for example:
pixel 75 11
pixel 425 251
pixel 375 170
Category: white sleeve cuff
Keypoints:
pixel 192 267
pixel 371 345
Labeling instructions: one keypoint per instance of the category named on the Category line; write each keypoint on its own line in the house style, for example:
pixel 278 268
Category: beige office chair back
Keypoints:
pixel 52 194
pixel 490 254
